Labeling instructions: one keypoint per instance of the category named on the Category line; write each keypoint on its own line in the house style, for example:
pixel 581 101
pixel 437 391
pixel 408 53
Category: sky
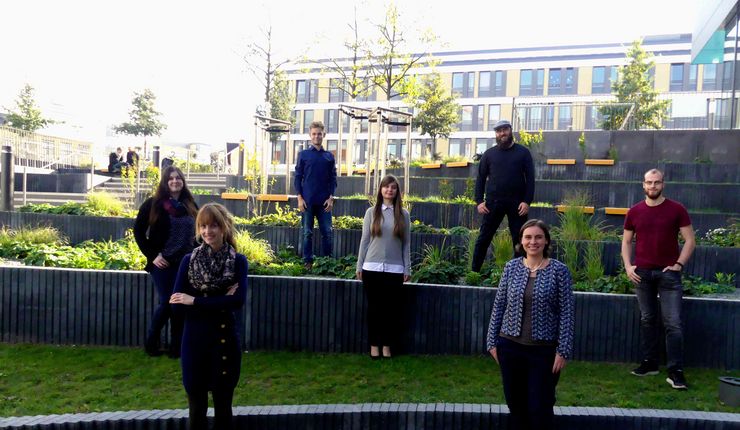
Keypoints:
pixel 85 59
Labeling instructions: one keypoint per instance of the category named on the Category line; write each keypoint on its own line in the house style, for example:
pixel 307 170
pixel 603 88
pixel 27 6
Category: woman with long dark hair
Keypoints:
pixel 164 232
pixel 531 330
pixel 211 287
pixel 384 264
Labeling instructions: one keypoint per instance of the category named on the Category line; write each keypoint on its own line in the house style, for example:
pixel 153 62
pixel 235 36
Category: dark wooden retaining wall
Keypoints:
pixel 386 416
pixel 68 306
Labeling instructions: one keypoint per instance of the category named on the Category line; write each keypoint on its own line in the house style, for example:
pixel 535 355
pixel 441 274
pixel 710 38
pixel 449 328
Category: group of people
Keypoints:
pixel 202 280
pixel 116 163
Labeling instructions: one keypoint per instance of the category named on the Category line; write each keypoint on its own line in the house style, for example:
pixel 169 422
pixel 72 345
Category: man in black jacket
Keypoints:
pixel 506 172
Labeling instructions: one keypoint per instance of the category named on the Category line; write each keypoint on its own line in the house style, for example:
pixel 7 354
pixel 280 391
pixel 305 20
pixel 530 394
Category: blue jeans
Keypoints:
pixel 668 286
pixel 327 233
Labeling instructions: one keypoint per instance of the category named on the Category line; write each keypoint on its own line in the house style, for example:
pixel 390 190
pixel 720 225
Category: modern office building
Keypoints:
pixel 716 41
pixel 540 88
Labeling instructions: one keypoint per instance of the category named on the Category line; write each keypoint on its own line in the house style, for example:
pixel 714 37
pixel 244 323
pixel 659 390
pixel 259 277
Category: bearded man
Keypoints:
pixel 656 272
pixel 506 173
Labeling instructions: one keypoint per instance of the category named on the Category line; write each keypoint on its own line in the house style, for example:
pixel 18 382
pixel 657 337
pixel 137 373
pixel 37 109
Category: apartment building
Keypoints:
pixel 539 88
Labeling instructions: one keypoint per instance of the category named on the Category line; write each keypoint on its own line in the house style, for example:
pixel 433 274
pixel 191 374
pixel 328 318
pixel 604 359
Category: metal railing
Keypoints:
pixel 35 150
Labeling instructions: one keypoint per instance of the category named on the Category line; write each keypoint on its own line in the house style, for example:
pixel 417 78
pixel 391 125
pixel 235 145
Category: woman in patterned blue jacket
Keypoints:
pixel 531 330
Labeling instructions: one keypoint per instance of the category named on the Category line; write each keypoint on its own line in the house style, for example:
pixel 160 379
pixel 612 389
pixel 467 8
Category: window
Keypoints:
pixel 296 120
pixel 331 146
pixel 459 147
pixel 494 114
pixel 419 146
pixel 499 83
pixel 307 120
pixel 562 81
pixel 481 144
pixel 692 77
pixel 532 82
pixel 676 77
pixel 709 80
pixel 307 91
pixel 727 74
pixel 278 151
pixel 471 118
pixel 554 82
pixel 331 120
pixel 463 84
pixel 484 84
pixel 336 93
pixel 565 116
pixel 371 94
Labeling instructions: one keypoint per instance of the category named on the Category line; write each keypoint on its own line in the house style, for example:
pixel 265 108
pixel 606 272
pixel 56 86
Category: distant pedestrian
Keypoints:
pixel 655 224
pixel 211 288
pixel 164 231
pixel 115 161
pixel 315 183
pixel 506 173
pixel 384 264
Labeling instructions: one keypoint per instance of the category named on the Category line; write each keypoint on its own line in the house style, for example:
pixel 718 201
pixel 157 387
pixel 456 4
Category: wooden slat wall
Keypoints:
pixel 64 306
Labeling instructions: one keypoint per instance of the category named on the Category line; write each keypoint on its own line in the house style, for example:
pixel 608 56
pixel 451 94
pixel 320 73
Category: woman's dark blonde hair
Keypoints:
pixel 399 224
pixel 545 229
pixel 216 213
pixel 163 193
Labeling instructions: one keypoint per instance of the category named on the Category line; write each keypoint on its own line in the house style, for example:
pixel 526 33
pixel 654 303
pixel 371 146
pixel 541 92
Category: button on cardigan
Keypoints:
pixel 553 305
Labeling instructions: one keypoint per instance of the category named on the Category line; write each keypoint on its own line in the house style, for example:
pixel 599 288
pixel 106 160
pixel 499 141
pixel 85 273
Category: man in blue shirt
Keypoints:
pixel 315 183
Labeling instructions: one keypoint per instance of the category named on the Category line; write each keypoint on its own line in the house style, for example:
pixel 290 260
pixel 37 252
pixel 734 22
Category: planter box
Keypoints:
pixel 84 307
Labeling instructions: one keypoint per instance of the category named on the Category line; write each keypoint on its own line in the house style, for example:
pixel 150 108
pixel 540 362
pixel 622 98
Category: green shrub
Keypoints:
pixel 346 222
pixel 473 278
pixel 696 286
pixel 593 268
pixel 574 224
pixel 344 267
pixel 257 251
pixel 502 248
pixel 442 272
pixel 37 235
pixel 201 191
pixel 729 236
pixel 105 204
pixel 458 230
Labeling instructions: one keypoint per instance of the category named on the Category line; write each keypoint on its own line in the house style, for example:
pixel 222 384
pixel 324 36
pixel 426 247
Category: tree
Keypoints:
pixel 352 78
pixel 144 118
pixel 391 60
pixel 635 87
pixel 437 109
pixel 27 115
pixel 280 101
pixel 261 61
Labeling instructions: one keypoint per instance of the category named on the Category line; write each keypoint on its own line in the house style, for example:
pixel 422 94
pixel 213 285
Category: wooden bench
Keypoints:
pixel 431 166
pixel 584 209
pixel 272 197
pixel 616 211
pixel 598 162
pixel 457 164
pixel 234 196
pixel 561 161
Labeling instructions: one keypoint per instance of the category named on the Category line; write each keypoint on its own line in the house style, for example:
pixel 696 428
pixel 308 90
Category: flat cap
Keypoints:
pixel 501 124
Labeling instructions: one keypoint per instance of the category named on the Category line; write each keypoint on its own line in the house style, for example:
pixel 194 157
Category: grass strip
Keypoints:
pixel 38 379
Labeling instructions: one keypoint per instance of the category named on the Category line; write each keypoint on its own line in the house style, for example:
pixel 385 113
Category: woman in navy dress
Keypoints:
pixel 210 288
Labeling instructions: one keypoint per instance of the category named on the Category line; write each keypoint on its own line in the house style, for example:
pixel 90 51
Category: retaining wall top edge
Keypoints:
pixel 373 407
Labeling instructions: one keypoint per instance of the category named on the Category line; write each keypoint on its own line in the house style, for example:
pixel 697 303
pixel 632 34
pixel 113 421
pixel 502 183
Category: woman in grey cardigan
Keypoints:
pixel 384 264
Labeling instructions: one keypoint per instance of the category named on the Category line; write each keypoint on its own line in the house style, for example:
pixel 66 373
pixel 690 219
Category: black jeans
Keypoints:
pixel 164 280
pixel 529 384
pixel 198 409
pixel 489 225
pixel 383 294
pixel 667 285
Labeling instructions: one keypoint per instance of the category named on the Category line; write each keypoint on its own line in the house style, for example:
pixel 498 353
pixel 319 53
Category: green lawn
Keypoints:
pixel 52 380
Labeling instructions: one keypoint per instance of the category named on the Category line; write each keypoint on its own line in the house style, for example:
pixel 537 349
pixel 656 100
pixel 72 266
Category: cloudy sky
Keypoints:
pixel 86 58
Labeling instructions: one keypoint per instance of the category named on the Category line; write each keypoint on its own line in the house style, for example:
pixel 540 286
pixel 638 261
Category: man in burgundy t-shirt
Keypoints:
pixel 655 224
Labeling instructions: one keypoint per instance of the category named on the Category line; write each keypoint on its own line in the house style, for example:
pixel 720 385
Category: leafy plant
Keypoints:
pixel 346 222
pixel 105 204
pixel 470 189
pixel 593 268
pixel 201 191
pixel 445 189
pixel 473 278
pixel 257 251
pixel 502 248
pixel 569 255
pixel 534 141
pixel 582 145
pixel 574 224
pixel 344 267
pixel 729 236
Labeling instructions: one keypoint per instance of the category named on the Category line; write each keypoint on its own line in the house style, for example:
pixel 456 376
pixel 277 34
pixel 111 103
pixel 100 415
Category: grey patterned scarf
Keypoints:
pixel 212 272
